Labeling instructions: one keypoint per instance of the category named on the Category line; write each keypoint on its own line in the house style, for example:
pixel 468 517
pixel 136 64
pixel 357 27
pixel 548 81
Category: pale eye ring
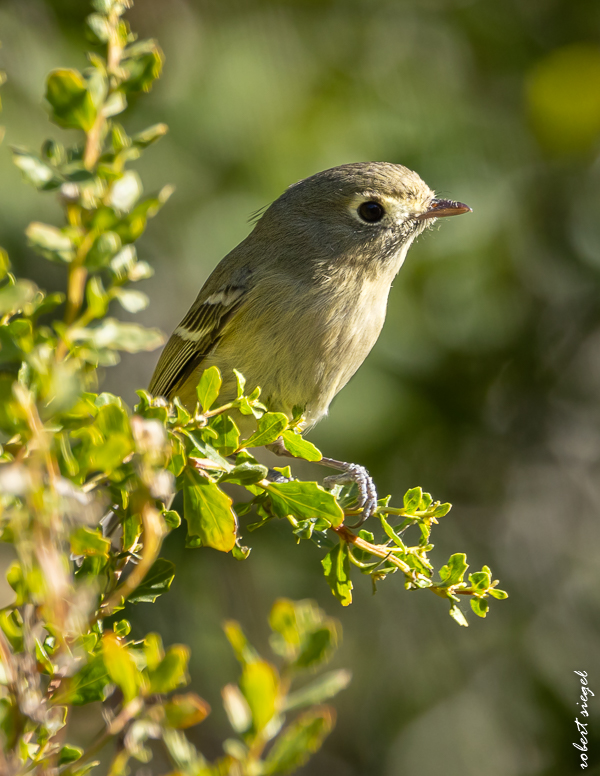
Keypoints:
pixel 371 211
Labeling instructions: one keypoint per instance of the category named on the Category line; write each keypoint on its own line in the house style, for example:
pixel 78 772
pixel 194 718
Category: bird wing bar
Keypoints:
pixel 194 338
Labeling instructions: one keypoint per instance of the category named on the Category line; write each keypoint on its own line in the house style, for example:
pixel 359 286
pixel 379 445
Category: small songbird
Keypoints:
pixel 297 306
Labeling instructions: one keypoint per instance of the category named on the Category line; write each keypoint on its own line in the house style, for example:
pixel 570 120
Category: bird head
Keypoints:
pixel 362 213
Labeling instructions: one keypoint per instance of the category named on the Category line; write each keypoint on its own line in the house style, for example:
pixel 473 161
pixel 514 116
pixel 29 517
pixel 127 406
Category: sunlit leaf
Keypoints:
pixel 245 474
pixel 336 565
pixel 71 102
pixel 121 666
pixel 304 500
pixel 184 711
pixel 35 171
pixel 88 684
pixel 270 427
pixel 157 581
pixel 14 297
pixel 171 672
pixel 299 741
pixel 453 572
pixel 458 616
pixel 86 541
pixel 259 684
pixel 208 513
pixel 208 387
pixel 299 447
pixel 50 242
pixel 323 688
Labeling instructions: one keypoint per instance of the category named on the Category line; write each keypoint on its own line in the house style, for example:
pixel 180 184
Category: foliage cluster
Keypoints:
pixel 87 484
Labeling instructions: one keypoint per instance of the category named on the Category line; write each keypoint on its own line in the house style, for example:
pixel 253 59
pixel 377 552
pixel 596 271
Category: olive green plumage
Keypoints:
pixel 298 305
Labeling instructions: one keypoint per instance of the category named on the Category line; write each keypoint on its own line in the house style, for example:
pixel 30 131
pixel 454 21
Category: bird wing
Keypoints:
pixel 196 336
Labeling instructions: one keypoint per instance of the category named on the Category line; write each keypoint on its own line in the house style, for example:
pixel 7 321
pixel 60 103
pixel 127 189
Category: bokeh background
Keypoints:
pixel 484 385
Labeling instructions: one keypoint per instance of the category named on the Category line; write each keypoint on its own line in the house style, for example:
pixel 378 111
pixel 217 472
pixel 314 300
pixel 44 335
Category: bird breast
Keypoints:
pixel 302 355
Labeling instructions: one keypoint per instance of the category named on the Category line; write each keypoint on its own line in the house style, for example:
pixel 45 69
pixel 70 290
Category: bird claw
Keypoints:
pixel 354 473
pixel 275 476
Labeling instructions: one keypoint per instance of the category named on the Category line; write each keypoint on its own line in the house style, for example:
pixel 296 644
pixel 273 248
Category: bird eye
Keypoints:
pixel 371 212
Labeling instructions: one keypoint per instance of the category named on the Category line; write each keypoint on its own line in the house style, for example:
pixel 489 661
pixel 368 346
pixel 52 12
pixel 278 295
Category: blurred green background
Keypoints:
pixel 483 387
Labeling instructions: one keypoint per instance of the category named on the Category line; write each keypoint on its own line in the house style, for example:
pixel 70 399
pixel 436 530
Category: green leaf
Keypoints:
pixel 104 248
pixel 150 135
pixel 480 580
pixel 110 454
pixel 11 623
pixel 153 651
pixel 245 474
pixel 184 711
pixel 157 581
pixel 499 594
pixel 69 754
pixel 457 615
pixel 171 672
pixel 299 447
pixel 125 192
pixel 284 624
pixel 131 300
pixel 99 26
pixel 47 304
pixel 208 513
pixel 178 458
pixel 412 499
pixel 209 387
pixel 228 433
pixel 171 518
pixel 54 152
pixel 259 684
pixel 115 104
pixel 317 647
pixel 304 500
pixel 4 264
pixel 243 650
pixel 336 565
pixel 480 606
pixel 326 686
pixel 71 102
pixel 237 709
pixel 15 297
pixel 50 242
pixel 87 541
pixel 441 510
pixel 239 552
pixel 85 769
pixel 454 571
pixel 132 225
pixel 294 746
pixel 15 578
pixel 96 298
pixel 142 66
pixel 122 628
pixel 87 686
pixel 121 666
pixel 125 260
pixel 270 427
pixel 35 171
pixel 240 383
pixel 116 335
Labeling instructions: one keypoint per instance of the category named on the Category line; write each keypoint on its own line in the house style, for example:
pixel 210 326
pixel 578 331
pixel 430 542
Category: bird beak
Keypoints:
pixel 439 208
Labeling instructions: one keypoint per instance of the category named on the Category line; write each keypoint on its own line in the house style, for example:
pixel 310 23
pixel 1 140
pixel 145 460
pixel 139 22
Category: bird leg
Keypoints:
pixel 350 473
pixel 354 473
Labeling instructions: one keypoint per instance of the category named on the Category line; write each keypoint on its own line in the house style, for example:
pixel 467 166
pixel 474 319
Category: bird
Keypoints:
pixel 297 306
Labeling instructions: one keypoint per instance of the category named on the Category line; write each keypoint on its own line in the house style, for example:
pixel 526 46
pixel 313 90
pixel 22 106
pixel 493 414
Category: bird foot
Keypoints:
pixel 354 473
pixel 275 476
